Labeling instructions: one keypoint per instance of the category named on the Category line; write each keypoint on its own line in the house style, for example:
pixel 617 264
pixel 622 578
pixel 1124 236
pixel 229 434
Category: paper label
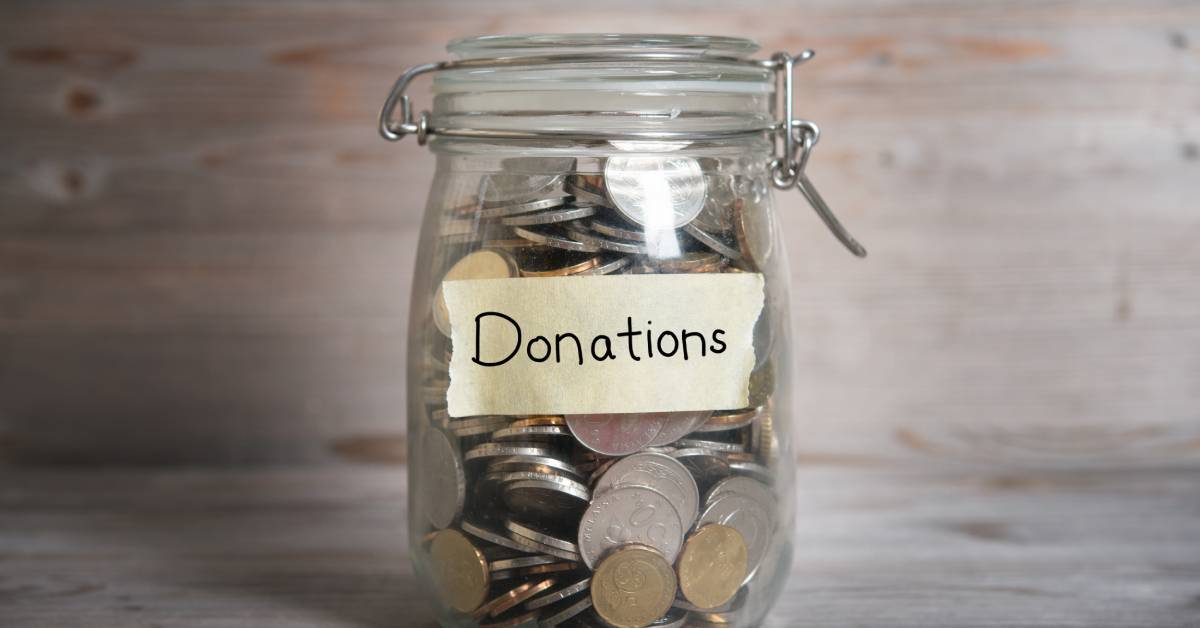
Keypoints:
pixel 602 344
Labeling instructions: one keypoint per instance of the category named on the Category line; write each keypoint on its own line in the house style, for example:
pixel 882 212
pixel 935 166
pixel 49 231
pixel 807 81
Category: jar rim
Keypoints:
pixel 702 46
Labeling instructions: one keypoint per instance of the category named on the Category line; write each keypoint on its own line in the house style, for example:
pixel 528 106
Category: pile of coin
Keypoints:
pixel 619 520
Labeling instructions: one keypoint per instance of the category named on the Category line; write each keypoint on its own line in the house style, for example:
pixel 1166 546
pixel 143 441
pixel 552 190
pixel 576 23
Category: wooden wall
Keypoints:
pixel 205 249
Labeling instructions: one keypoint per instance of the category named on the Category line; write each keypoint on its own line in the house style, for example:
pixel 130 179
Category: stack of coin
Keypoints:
pixel 618 520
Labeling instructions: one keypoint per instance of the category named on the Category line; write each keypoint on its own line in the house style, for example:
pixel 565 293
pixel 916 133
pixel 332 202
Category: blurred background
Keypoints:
pixel 206 250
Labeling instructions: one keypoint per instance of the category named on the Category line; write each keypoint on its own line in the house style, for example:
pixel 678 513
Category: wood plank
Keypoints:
pixel 197 220
pixel 873 547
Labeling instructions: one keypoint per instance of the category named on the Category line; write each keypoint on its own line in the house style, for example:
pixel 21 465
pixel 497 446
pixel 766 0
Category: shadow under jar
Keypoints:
pixel 598 415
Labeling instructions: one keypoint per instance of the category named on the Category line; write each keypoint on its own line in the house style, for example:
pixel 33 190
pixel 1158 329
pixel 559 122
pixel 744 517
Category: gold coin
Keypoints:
pixel 508 600
pixel 712 565
pixel 762 384
pixel 485 264
pixel 535 421
pixel 633 586
pixel 460 571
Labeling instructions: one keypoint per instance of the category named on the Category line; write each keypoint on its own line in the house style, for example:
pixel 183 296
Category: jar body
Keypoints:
pixel 511 513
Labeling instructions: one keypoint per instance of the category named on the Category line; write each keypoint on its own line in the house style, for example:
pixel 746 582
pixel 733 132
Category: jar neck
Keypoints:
pixel 598 85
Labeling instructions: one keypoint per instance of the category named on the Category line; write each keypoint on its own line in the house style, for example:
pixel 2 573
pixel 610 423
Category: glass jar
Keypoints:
pixel 599 418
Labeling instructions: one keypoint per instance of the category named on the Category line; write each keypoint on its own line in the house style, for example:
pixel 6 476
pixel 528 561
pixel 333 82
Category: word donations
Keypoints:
pixel 602 344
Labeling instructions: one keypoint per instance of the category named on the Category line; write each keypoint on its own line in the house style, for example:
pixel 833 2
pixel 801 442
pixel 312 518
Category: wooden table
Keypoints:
pixel 876 546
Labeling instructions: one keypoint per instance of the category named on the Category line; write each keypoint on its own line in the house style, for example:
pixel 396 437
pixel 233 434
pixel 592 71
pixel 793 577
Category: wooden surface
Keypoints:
pixel 326 547
pixel 205 250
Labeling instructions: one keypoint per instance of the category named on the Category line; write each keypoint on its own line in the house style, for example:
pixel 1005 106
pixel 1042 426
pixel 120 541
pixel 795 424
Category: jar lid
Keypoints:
pixel 708 46
pixel 617 87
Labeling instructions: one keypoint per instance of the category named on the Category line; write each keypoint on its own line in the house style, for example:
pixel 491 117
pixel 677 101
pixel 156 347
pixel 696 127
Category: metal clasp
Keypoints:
pixel 787 167
pixel 798 138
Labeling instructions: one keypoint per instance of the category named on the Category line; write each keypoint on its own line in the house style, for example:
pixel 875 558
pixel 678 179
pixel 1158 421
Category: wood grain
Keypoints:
pixel 205 250
pixel 327 547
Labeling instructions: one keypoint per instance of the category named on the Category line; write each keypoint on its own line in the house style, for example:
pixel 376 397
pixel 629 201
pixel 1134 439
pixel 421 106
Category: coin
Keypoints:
pixel 656 191
pixel 481 532
pixel 730 420
pixel 443 499
pixel 706 465
pixel 555 216
pixel 539 536
pixel 460 571
pixel 505 209
pixel 755 232
pixel 511 598
pixel 617 231
pixel 531 432
pixel 744 486
pixel 689 263
pixel 608 267
pixel 747 516
pixel 712 565
pixel 607 244
pixel 530 463
pixel 629 514
pixel 540 420
pixel 712 445
pixel 491 450
pixel 528 620
pixel 633 586
pixel 617 434
pixel 553 237
pixel 713 242
pixel 557 596
pixel 521 561
pixel 528 493
pixel 661 473
pixel 566 613
pixel 548 266
pixel 536 570
pixel 483 264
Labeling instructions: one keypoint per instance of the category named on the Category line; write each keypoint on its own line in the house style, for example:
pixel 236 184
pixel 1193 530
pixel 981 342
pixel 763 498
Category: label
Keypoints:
pixel 602 344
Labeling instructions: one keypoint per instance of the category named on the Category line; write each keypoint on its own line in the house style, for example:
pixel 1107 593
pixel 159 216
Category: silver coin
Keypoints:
pixel 481 532
pixel 446 491
pixel 555 216
pixel 743 486
pixel 490 450
pixel 531 493
pixel 522 561
pixel 523 463
pixel 607 244
pixel 530 431
pixel 616 434
pixel 533 534
pixel 566 613
pixel 559 595
pixel 713 242
pixel 730 420
pixel 585 193
pixel 618 232
pixel 656 191
pixel 531 545
pixel 630 514
pixel 505 209
pixel 680 424
pixel 660 472
pixel 712 445
pixel 706 465
pixel 675 618
pixel 752 470
pixel 549 236
pixel 475 426
pixel 746 515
